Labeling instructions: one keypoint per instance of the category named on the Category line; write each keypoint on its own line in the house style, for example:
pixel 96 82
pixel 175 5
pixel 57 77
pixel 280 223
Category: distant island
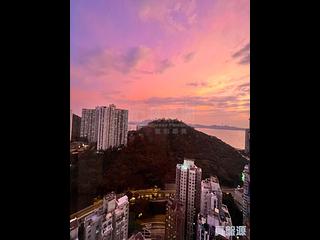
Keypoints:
pixel 223 127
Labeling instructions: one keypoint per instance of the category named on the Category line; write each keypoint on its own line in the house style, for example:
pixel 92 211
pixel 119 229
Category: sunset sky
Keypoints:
pixel 184 59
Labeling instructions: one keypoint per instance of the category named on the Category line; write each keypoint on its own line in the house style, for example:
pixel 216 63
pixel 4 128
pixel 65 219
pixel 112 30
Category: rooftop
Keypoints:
pixel 188 162
pixel 122 200
pixel 211 183
pixel 137 236
pixel 74 223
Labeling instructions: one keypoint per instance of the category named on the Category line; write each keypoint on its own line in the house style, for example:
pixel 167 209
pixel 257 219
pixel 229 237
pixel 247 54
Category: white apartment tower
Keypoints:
pixel 188 189
pixel 112 127
pixel 107 126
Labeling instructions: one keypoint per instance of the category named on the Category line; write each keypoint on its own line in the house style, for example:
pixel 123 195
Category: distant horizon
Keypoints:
pixel 134 122
pixel 195 125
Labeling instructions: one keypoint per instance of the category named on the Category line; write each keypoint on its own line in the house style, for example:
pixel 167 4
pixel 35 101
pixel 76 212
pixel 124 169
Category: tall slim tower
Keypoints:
pixel 175 222
pixel 76 124
pixel 70 124
pixel 88 125
pixel 246 199
pixel 121 127
pixel 112 127
pixel 188 192
pixel 247 139
pixel 246 194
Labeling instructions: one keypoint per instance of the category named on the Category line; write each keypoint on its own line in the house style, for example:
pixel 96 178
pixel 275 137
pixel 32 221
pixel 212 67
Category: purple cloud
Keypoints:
pixel 188 57
pixel 163 65
pixel 243 54
pixel 131 58
pixel 219 102
pixel 102 61
pixel 172 15
pixel 245 60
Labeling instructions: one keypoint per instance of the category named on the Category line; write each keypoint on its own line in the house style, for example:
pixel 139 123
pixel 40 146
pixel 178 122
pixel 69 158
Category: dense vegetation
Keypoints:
pixel 151 158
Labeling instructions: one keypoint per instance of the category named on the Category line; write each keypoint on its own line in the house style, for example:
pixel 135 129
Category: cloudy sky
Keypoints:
pixel 187 59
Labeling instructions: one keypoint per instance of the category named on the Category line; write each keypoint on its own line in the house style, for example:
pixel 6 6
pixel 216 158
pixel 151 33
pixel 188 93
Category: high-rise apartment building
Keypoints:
pixel 246 200
pixel 70 123
pixel 188 190
pixel 121 130
pixel 88 125
pixel 76 126
pixel 112 127
pixel 109 221
pixel 175 220
pixel 107 126
pixel 247 141
pixel 246 194
pixel 214 218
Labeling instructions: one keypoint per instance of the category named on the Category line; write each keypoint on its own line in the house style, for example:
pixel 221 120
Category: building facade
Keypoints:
pixel 211 195
pixel 246 194
pixel 70 124
pixel 76 126
pixel 112 127
pixel 247 141
pixel 214 217
pixel 137 236
pixel 106 126
pixel 88 127
pixel 188 190
pixel 175 220
pixel 92 227
pixel 121 129
pixel 109 221
pixel 74 228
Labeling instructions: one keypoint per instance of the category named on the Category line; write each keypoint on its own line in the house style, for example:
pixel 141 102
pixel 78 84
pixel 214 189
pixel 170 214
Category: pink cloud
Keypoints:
pixel 188 72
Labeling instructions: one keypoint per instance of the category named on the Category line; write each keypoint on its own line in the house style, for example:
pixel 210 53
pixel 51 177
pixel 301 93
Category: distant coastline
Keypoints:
pixel 224 127
pixel 231 128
